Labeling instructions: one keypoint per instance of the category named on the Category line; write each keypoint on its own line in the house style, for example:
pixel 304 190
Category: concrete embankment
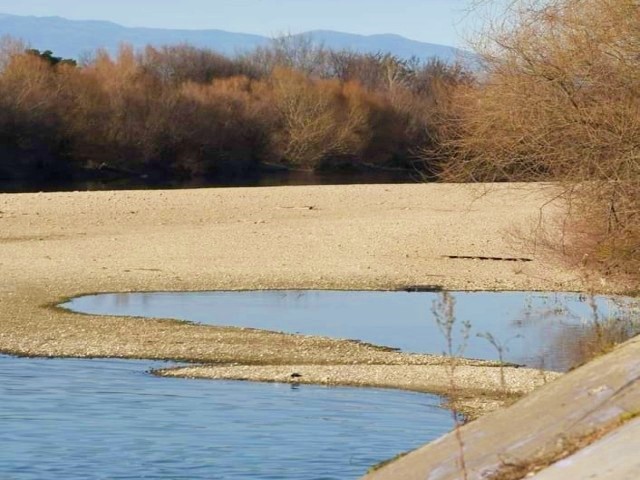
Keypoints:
pixel 600 399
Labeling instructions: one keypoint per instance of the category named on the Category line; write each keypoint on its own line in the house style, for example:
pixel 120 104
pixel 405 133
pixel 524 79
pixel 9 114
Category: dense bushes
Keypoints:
pixel 181 111
pixel 561 101
pixel 31 129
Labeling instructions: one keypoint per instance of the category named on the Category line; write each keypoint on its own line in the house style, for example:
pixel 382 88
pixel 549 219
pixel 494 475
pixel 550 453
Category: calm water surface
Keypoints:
pixel 109 419
pixel 536 329
pixel 78 419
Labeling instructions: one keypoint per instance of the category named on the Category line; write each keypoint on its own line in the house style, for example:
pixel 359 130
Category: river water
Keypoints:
pixel 110 419
pixel 539 330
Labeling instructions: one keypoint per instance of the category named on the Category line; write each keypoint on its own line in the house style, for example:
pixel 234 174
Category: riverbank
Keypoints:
pixel 58 245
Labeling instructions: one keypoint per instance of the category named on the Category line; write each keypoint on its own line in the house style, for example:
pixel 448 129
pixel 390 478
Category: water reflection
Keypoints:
pixel 528 325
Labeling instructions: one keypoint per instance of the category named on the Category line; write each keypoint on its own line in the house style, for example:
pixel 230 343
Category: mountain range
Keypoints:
pixel 73 38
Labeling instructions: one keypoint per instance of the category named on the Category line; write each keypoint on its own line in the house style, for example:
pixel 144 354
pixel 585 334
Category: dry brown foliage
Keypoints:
pixel 327 120
pixel 561 101
pixel 182 111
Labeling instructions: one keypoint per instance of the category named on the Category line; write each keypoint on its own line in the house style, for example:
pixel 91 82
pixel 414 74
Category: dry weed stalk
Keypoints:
pixel 444 313
pixel 501 348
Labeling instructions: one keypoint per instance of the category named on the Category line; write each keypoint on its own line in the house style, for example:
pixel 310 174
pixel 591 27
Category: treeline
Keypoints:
pixel 183 112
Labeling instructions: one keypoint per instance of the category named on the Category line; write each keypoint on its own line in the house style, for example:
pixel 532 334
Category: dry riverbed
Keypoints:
pixel 58 245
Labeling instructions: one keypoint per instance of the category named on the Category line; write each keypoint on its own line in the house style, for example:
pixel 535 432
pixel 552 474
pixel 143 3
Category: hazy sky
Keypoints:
pixel 436 21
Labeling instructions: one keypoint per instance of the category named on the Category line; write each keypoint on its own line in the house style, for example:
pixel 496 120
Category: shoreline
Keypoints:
pixel 363 237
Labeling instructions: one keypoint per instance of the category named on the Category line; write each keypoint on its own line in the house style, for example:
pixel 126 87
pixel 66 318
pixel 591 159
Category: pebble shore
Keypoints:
pixel 367 237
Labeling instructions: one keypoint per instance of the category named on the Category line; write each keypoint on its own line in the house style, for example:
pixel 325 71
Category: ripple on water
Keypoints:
pixel 78 419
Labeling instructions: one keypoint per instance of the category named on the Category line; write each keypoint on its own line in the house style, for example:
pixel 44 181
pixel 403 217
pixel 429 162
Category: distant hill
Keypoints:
pixel 72 38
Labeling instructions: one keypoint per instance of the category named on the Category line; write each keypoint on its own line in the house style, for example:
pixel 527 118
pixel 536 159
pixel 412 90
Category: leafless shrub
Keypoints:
pixel 10 47
pixel 293 52
pixel 176 64
pixel 561 102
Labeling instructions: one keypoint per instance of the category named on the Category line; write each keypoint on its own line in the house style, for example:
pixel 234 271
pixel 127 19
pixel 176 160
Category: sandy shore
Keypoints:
pixel 54 246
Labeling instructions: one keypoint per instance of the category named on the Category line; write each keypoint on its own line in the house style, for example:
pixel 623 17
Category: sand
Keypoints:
pixel 58 245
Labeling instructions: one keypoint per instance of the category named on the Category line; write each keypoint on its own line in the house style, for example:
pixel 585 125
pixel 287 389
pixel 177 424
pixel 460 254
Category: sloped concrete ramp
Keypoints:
pixel 598 395
pixel 615 456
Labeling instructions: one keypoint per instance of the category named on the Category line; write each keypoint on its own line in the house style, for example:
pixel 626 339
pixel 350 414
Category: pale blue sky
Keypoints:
pixel 436 21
